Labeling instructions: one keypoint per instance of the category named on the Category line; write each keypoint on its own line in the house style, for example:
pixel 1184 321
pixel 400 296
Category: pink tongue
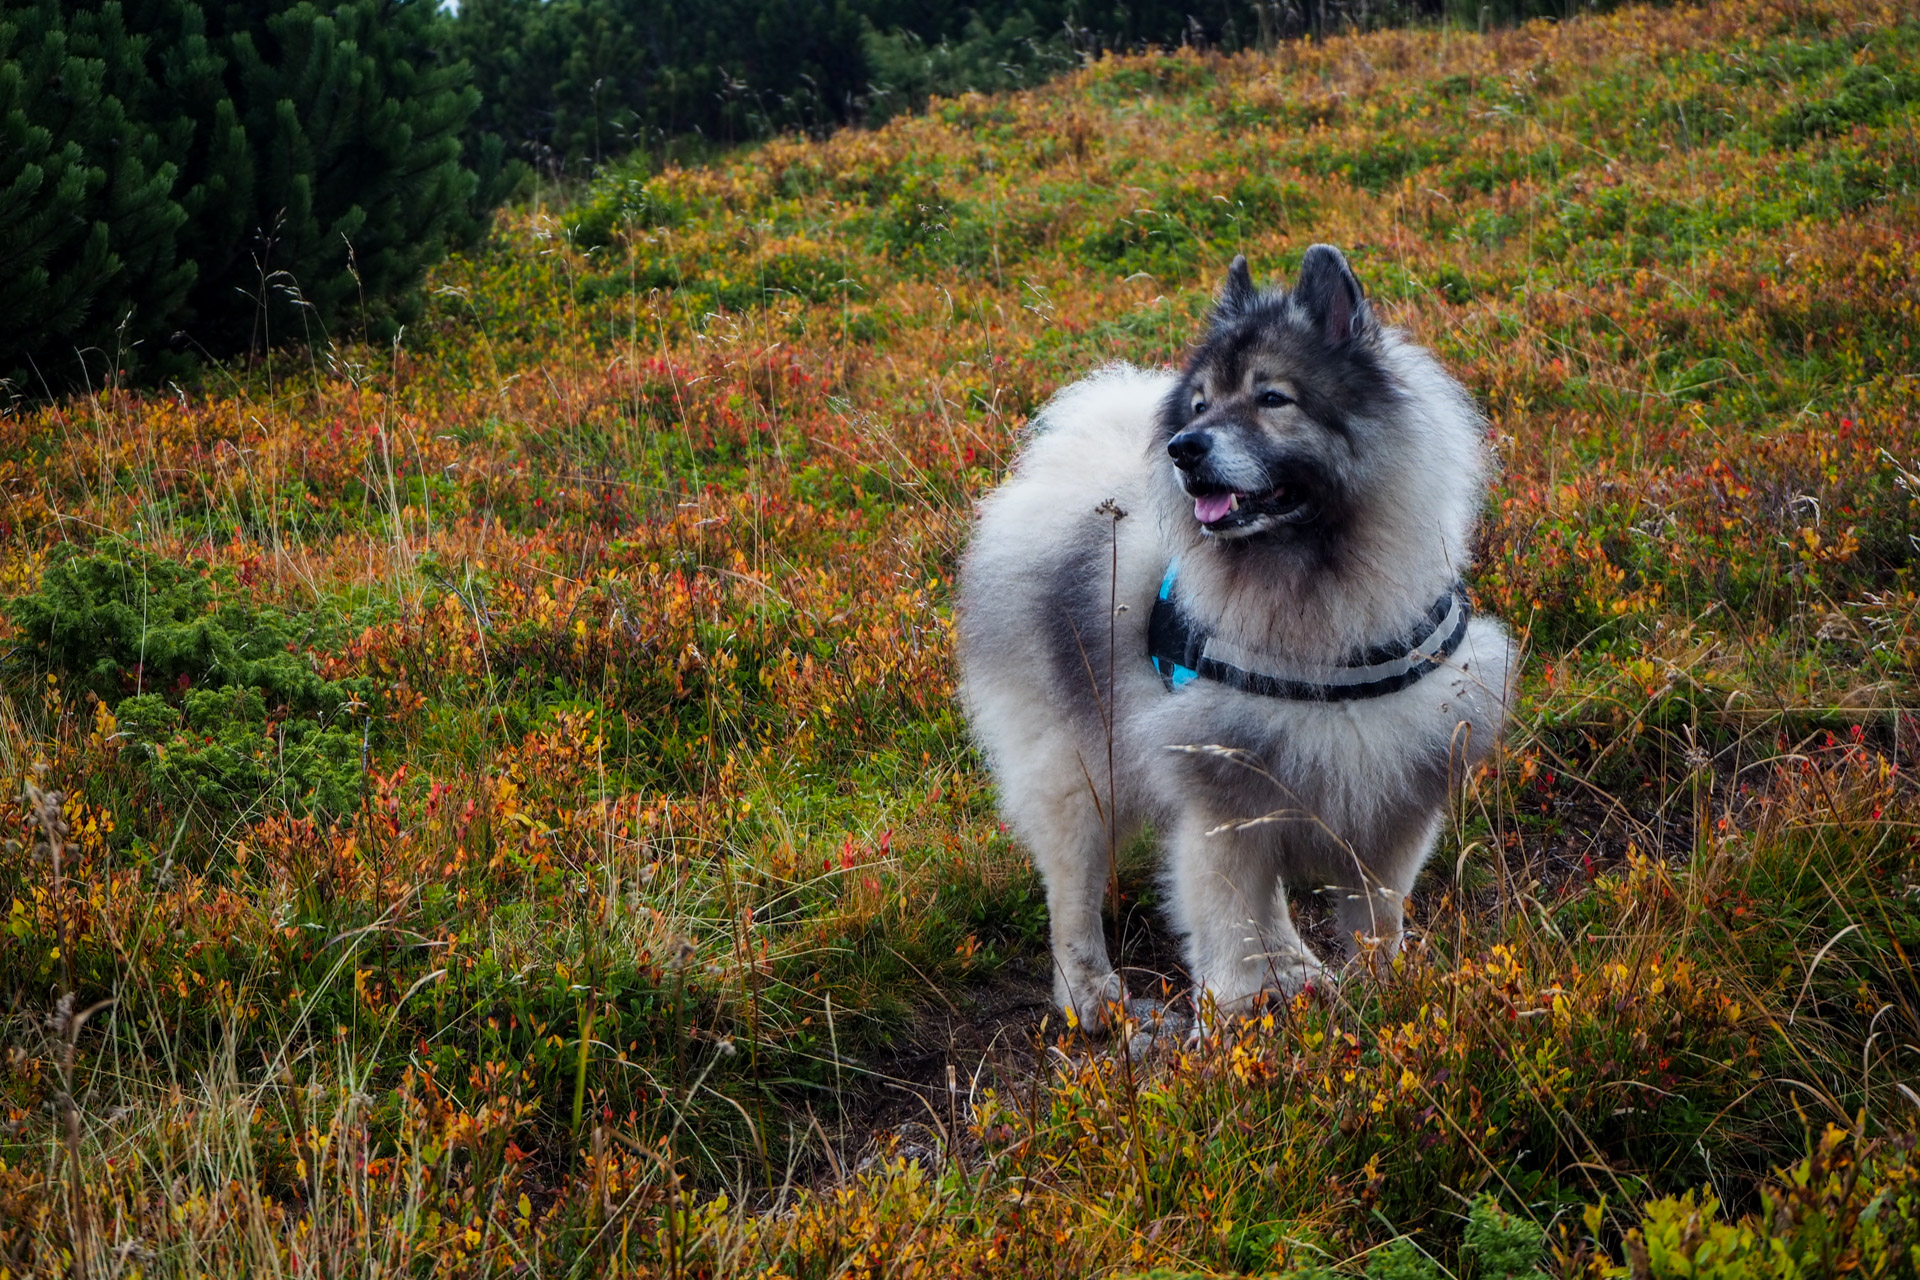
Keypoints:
pixel 1211 507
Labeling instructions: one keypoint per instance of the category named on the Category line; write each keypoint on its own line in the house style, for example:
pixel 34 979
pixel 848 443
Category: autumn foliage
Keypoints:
pixel 637 845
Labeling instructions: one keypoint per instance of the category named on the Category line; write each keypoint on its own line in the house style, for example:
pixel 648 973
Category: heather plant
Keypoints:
pixel 638 906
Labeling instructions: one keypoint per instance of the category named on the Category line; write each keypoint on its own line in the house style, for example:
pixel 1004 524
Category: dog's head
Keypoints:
pixel 1264 426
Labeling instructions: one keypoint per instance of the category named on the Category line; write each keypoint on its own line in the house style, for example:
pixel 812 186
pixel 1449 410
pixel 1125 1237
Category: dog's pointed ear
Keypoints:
pixel 1331 295
pixel 1237 294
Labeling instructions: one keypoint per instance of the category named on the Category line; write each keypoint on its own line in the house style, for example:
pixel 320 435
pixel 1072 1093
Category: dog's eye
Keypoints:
pixel 1199 407
pixel 1271 399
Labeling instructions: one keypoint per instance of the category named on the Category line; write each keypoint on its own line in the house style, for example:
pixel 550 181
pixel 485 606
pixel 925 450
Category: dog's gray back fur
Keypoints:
pixel 1355 468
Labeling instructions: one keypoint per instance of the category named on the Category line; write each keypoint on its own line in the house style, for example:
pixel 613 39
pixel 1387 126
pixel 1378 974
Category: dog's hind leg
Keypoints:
pixel 1227 899
pixel 1369 916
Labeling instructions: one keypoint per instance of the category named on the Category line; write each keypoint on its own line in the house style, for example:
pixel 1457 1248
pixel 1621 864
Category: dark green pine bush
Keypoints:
pixel 181 177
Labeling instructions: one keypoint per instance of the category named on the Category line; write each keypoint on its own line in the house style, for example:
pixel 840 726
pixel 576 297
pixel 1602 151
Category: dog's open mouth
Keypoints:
pixel 1229 512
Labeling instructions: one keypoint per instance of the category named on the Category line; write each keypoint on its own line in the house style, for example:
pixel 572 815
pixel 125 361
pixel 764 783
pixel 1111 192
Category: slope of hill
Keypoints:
pixel 509 812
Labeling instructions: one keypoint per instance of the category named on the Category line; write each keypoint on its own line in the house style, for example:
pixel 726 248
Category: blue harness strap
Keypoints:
pixel 1169 641
pixel 1182 653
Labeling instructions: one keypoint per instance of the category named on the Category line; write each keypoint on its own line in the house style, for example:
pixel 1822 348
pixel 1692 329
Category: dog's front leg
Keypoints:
pixel 1069 845
pixel 1225 895
pixel 1084 982
pixel 1369 915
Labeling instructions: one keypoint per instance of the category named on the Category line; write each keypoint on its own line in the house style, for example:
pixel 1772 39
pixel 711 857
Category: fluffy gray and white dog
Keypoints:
pixel 1226 602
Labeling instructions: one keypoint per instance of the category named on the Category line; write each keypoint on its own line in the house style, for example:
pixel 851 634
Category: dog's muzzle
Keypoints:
pixel 1284 495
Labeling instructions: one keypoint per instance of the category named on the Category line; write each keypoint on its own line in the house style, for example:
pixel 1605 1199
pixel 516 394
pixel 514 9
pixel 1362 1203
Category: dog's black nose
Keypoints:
pixel 1187 448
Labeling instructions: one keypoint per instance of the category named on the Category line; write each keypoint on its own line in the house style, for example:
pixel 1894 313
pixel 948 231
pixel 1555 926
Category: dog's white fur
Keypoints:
pixel 1248 794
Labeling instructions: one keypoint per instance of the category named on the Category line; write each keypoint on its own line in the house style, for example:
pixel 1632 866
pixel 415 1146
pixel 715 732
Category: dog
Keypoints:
pixel 1225 602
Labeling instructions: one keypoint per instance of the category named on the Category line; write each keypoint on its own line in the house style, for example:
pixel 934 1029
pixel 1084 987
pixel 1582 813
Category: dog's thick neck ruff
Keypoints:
pixel 1182 653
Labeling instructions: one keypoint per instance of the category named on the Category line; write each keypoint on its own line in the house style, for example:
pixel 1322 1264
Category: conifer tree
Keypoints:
pixel 186 176
pixel 85 182
pixel 584 80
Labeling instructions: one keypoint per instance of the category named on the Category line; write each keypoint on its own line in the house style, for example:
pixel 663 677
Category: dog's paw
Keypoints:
pixel 1087 1000
pixel 1289 975
pixel 1286 975
pixel 1154 1029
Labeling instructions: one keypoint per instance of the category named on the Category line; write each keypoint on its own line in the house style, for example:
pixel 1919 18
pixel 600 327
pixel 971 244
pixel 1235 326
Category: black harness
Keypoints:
pixel 1181 653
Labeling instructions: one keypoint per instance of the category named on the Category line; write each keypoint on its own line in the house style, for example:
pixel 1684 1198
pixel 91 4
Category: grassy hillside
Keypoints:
pixel 496 805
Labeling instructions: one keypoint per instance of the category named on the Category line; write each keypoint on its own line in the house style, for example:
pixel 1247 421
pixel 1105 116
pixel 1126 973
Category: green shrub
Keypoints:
pixel 217 700
pixel 1497 1246
pixel 1500 1245
pixel 1401 1259
pixel 1867 94
pixel 1852 1207
pixel 908 70
pixel 221 750
pixel 181 178
pixel 588 80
